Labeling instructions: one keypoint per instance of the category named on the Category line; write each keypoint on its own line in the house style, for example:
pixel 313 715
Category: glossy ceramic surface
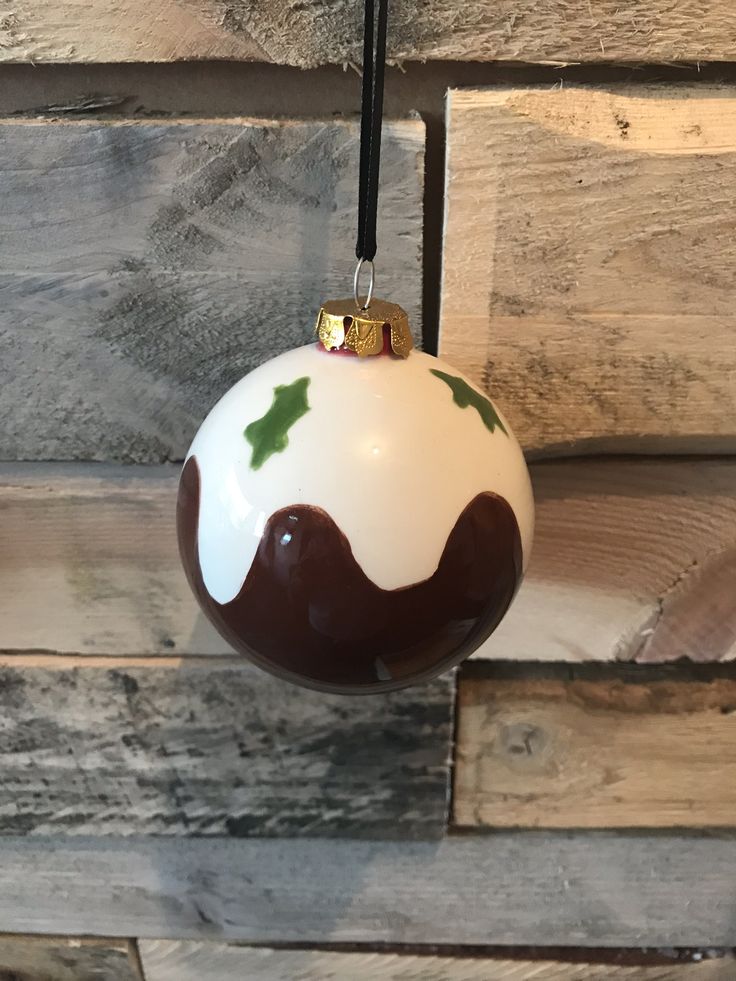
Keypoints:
pixel 355 524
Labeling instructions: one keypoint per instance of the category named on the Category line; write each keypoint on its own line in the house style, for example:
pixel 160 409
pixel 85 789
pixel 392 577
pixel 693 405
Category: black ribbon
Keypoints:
pixel 374 65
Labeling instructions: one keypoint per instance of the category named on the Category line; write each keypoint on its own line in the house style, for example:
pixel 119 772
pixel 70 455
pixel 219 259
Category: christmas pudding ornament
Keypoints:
pixel 355 515
pixel 355 523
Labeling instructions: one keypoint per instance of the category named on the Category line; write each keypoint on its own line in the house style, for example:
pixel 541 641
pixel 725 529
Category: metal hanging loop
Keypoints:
pixel 356 284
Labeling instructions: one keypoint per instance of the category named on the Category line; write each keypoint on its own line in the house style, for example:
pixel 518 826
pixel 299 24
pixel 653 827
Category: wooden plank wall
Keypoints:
pixel 98 543
pixel 595 299
pixel 633 561
pixel 170 805
pixel 573 752
pixel 609 889
pixel 594 302
pixel 169 255
pixel 68 959
pixel 305 36
pixel 192 961
pixel 35 958
pixel 188 747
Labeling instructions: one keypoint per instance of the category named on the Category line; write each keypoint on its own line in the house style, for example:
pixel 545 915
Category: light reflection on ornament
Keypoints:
pixel 329 569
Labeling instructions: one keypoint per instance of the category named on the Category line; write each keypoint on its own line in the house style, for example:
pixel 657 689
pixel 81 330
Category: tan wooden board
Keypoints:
pixel 192 748
pixel 306 35
pixel 633 560
pixel 145 266
pixel 26 958
pixel 589 889
pixel 548 753
pixel 588 264
pixel 172 960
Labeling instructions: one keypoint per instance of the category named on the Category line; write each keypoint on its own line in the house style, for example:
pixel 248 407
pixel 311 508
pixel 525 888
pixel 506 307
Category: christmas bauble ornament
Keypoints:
pixel 354 519
pixel 355 515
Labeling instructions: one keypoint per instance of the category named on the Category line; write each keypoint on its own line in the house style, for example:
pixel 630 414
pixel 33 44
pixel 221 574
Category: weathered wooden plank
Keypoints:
pixel 553 753
pixel 176 960
pixel 70 31
pixel 206 748
pixel 94 548
pixel 66 959
pixel 595 297
pixel 147 265
pixel 308 35
pixel 633 560
pixel 509 888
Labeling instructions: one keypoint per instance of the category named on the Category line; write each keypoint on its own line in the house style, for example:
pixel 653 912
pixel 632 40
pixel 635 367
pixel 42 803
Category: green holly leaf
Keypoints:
pixel 464 396
pixel 267 435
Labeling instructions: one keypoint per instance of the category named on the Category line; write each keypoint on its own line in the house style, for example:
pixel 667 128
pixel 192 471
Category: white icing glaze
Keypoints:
pixel 384 450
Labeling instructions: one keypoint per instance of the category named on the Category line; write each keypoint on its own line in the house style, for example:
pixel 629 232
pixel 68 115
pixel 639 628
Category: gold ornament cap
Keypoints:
pixel 342 324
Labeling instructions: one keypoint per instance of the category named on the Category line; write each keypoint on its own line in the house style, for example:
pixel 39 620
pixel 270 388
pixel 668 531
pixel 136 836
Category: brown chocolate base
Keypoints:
pixel 307 611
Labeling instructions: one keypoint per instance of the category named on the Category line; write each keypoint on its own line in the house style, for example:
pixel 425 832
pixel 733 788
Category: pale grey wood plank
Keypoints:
pixel 181 960
pixel 308 35
pixel 632 560
pixel 508 888
pixel 94 546
pixel 595 298
pixel 146 265
pixel 210 748
pixel 24 958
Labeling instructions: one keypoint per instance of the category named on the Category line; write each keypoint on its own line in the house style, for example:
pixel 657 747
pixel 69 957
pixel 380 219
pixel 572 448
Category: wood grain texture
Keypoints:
pixel 146 266
pixel 176 960
pixel 313 34
pixel 547 753
pixel 206 748
pixel 633 560
pixel 508 888
pixel 94 547
pixel 595 297
pixel 24 958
